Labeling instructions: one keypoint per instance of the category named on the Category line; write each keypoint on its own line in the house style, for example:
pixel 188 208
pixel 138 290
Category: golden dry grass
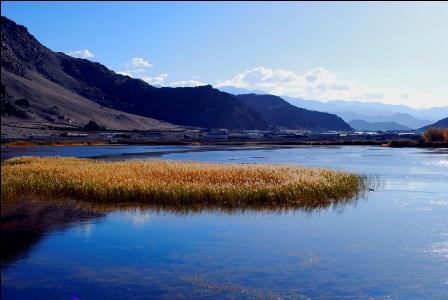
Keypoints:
pixel 174 182
pixel 436 135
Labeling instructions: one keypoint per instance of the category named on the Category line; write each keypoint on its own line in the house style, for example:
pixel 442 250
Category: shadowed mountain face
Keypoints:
pixel 51 80
pixel 195 106
pixel 279 113
pixel 32 96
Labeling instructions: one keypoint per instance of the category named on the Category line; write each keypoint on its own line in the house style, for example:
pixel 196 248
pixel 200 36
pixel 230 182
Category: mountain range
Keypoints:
pixel 402 119
pixel 43 86
pixel 367 111
pixel 376 112
pixel 377 126
pixel 32 71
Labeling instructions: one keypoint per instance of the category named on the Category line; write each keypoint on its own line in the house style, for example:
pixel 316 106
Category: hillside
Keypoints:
pixel 31 100
pixel 65 90
pixel 277 112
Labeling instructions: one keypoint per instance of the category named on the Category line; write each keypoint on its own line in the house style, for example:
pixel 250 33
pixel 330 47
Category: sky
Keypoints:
pixel 393 53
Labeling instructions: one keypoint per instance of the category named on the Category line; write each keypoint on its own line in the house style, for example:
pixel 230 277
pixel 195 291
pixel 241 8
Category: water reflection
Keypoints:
pixel 393 246
pixel 185 210
pixel 101 207
pixel 25 223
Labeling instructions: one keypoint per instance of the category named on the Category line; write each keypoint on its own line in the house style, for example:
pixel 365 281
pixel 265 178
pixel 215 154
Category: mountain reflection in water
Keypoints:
pixel 26 221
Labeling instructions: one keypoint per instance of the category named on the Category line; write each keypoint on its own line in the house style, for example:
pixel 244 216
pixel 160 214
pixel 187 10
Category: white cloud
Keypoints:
pixel 140 63
pixel 318 83
pixel 82 53
pixel 137 67
pixel 186 83
pixel 322 84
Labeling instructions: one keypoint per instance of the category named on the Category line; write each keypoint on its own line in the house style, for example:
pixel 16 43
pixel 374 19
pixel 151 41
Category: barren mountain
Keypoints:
pixel 70 91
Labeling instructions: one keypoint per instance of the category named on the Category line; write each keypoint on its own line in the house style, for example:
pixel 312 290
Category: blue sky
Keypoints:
pixel 386 52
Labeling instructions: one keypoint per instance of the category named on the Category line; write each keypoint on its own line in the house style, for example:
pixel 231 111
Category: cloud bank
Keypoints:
pixel 322 84
pixel 318 83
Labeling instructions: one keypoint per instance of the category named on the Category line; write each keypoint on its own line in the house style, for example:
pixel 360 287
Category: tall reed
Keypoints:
pixel 175 182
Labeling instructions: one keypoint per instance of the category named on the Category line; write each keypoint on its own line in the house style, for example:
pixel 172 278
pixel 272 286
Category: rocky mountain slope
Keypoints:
pixel 40 86
pixel 72 90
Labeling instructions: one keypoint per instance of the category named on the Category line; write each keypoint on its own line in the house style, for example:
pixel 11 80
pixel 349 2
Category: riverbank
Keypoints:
pixel 25 143
pixel 393 143
pixel 176 183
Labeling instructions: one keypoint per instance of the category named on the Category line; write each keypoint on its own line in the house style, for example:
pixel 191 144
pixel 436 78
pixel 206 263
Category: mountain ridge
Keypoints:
pixel 195 106
pixel 45 77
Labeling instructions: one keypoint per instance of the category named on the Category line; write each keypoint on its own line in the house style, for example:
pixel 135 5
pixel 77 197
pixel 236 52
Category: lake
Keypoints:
pixel 391 243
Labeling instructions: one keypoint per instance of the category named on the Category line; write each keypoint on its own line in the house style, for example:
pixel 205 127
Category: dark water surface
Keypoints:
pixel 390 244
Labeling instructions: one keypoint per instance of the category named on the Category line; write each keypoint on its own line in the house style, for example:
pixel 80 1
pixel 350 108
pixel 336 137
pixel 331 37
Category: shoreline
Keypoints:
pixel 71 143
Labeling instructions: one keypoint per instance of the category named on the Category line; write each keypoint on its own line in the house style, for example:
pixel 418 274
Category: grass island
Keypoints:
pixel 174 182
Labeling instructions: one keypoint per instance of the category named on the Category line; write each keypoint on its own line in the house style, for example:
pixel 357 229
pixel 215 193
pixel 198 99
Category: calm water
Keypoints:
pixel 390 244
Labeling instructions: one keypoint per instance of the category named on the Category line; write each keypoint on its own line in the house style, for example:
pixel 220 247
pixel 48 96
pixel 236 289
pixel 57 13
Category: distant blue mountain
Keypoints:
pixel 375 111
pixel 400 118
pixel 377 126
pixel 373 108
pixel 357 110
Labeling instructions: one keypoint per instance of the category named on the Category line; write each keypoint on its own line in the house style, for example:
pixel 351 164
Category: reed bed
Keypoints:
pixel 176 183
